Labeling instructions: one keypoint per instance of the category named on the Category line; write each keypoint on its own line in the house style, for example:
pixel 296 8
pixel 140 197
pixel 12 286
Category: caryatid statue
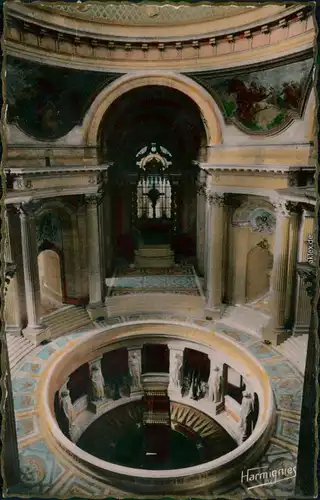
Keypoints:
pixel 176 361
pixel 134 361
pixel 97 382
pixel 246 415
pixel 214 393
pixel 67 405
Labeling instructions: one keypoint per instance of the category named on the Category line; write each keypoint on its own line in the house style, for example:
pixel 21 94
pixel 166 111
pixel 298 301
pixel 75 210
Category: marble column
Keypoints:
pixel 276 331
pixel 135 369
pixel 94 257
pixel 214 275
pixel 15 316
pixel 292 259
pixel 303 307
pixel 35 331
pixel 175 369
pixel 201 223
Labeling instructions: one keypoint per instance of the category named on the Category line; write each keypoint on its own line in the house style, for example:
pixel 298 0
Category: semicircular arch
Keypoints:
pixel 211 115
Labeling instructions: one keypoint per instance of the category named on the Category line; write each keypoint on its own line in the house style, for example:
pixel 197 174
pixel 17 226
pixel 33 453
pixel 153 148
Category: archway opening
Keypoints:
pixel 153 135
pixel 50 277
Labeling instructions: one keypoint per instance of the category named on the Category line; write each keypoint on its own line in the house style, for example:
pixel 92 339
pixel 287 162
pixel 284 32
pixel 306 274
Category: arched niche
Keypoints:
pixel 51 277
pixel 259 266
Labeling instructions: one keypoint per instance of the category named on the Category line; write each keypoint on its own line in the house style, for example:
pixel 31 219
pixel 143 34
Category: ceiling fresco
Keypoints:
pixel 47 102
pixel 265 100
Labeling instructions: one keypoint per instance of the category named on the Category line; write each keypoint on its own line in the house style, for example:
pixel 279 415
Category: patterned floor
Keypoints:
pixel 52 478
pixel 180 279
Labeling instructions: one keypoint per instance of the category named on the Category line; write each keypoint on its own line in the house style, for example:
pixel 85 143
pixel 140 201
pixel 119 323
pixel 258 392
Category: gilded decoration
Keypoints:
pixel 261 101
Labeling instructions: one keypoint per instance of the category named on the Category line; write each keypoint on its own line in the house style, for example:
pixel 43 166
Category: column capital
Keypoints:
pixel 308 213
pixel 282 207
pixel 26 209
pixel 214 198
pixel 201 187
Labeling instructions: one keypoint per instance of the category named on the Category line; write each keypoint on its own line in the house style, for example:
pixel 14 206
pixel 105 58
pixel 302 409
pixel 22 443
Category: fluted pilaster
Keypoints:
pixel 292 260
pixel 16 316
pixel 280 265
pixel 201 224
pixel 94 255
pixel 305 251
pixel 215 228
pixel 31 273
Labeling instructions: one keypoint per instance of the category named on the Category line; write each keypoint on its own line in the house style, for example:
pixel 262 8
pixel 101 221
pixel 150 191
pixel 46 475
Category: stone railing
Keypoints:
pixel 215 473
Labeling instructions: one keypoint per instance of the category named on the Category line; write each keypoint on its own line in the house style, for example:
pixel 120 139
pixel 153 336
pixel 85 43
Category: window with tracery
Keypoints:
pixel 154 192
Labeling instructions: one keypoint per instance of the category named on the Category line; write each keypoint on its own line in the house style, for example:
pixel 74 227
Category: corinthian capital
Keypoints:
pixel 214 198
pixel 26 209
pixel 281 207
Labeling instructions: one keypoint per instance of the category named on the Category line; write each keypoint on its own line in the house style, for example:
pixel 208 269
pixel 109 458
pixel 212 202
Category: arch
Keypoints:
pixel 51 276
pixel 211 115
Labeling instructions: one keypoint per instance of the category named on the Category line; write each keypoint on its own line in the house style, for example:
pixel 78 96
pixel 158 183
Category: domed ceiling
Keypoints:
pixel 121 13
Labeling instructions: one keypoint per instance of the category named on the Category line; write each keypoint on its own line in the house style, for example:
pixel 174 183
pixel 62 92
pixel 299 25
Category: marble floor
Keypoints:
pixel 52 478
pixel 179 279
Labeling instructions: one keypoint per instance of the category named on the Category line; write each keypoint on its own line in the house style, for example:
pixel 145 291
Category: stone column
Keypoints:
pixel 135 368
pixel 94 257
pixel 276 331
pixel 15 309
pixel 34 331
pixel 215 211
pixel 303 307
pixel 201 223
pixel 175 369
pixel 292 259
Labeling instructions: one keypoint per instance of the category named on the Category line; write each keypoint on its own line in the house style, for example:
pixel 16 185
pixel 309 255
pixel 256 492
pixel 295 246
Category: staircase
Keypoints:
pixel 159 303
pixel 66 320
pixel 246 319
pixel 154 256
pixel 18 348
pixel 295 350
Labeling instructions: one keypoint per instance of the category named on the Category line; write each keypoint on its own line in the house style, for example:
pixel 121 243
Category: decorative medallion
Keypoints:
pixel 262 221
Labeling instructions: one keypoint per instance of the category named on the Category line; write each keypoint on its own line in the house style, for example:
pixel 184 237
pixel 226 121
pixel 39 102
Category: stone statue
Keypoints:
pixel 97 381
pixel 134 369
pixel 67 405
pixel 246 415
pixel 175 370
pixel 214 385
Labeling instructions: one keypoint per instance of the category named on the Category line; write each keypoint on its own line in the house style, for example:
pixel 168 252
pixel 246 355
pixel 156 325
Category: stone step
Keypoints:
pixel 246 319
pixel 66 320
pixel 154 252
pixel 295 350
pixel 160 303
pixel 18 348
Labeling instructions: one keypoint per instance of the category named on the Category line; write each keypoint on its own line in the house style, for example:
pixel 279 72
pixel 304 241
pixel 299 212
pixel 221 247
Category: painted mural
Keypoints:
pixel 261 101
pixel 47 102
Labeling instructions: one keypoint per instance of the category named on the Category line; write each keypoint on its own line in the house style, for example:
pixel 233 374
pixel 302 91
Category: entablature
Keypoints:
pixel 32 33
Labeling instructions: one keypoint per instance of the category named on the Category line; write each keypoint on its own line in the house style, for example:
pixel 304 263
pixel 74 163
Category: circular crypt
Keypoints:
pixel 151 390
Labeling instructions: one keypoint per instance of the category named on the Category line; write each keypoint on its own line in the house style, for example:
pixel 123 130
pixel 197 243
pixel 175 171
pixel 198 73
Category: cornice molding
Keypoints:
pixel 47 18
pixel 88 52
